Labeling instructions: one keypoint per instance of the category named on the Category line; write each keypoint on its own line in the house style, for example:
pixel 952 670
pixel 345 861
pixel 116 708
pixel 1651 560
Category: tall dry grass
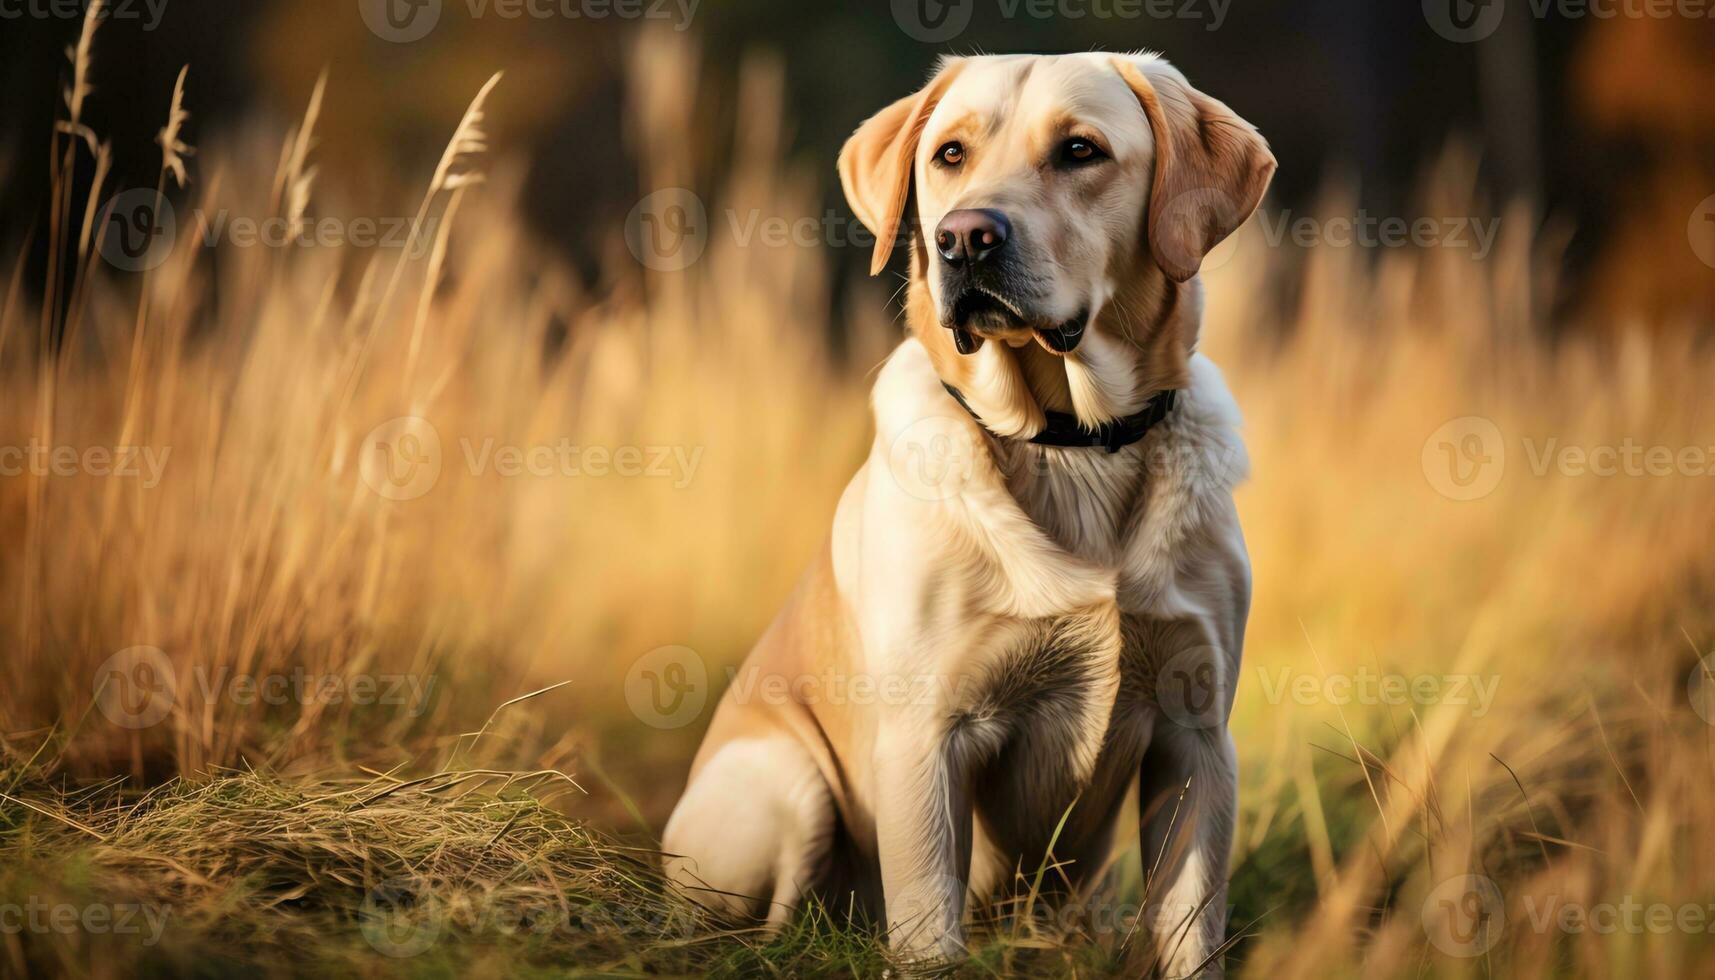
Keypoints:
pixel 258 373
pixel 1582 602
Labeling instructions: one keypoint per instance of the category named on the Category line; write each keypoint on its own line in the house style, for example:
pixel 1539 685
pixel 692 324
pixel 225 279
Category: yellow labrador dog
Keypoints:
pixel 1035 592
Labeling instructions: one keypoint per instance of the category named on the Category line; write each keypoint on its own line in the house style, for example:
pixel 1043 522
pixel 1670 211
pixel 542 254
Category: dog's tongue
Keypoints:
pixel 965 341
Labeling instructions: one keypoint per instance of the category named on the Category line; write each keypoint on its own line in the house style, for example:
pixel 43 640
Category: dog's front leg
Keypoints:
pixel 1189 801
pixel 923 829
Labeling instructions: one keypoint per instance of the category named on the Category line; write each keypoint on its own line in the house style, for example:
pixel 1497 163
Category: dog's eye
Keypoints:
pixel 1076 152
pixel 951 155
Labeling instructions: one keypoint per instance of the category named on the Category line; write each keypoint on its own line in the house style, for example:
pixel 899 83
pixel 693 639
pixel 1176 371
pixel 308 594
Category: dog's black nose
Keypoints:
pixel 973 234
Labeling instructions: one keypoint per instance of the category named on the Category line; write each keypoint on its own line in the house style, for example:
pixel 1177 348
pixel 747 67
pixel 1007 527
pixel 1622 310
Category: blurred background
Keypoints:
pixel 1602 123
pixel 1422 412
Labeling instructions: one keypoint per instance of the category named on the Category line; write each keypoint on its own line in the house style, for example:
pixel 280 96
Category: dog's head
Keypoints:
pixel 1056 202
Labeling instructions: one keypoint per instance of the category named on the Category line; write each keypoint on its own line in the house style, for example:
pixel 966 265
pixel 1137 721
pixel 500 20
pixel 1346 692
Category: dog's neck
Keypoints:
pixel 1139 344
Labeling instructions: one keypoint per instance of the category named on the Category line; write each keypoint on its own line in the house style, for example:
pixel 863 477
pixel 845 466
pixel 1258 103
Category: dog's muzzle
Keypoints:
pixel 976 251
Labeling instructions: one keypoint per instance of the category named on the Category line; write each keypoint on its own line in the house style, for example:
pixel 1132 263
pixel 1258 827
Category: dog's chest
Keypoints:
pixel 1065 715
pixel 1083 499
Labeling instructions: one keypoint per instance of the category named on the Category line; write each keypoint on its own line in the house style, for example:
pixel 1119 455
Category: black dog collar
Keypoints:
pixel 1065 431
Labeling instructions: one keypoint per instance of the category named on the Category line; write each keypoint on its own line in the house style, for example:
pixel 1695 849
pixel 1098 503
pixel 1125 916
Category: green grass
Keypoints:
pixel 446 875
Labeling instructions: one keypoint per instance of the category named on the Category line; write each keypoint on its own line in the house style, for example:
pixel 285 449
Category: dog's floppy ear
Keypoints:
pixel 875 165
pixel 1211 167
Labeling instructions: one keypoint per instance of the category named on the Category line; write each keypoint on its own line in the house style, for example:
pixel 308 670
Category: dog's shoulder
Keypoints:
pixel 1204 436
pixel 907 392
pixel 1186 553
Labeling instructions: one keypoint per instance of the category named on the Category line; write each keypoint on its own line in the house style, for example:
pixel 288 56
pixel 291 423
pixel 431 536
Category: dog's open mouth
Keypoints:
pixel 978 315
pixel 981 310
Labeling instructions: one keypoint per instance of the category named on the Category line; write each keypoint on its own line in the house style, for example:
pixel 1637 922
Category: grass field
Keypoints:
pixel 251 689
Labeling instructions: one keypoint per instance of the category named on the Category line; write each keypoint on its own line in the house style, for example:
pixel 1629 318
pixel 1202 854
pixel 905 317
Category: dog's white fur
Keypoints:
pixel 988 629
